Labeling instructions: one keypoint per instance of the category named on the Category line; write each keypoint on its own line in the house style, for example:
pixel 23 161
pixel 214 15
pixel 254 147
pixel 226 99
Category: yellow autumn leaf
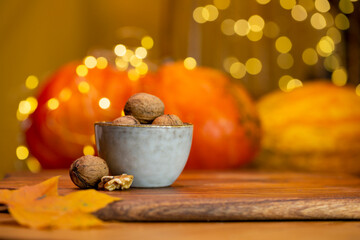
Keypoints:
pixel 40 206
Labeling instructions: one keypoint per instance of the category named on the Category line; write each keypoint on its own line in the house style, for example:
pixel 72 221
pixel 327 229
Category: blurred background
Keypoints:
pixel 264 45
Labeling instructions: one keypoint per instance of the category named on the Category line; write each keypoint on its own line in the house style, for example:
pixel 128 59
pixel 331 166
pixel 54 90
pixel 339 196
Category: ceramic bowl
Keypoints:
pixel 155 155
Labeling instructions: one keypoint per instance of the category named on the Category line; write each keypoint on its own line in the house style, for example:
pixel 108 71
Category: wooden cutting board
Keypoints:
pixel 226 196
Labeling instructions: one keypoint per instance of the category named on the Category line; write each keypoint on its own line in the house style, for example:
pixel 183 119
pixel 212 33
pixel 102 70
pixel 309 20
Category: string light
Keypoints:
pixel 189 63
pixel 31 82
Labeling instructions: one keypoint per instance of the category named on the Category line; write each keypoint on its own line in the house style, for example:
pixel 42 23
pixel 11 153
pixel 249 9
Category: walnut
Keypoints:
pixel 111 183
pixel 144 107
pixel 87 171
pixel 126 120
pixel 168 119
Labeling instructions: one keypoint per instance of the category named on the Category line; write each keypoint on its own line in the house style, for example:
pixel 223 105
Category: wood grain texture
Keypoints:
pixel 227 196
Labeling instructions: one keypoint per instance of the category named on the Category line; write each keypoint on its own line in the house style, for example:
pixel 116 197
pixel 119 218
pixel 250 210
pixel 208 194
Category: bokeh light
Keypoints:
pixel 142 68
pixel 90 62
pixel 253 66
pixel 263 2
pixel 283 44
pixel 283 82
pixel 346 6
pixel 287 4
pixel 135 61
pixel 24 107
pixel 334 34
pixel 299 13
pixel 237 70
pixel 33 165
pixel 22 152
pixel 31 82
pixel 318 21
pixel 294 83
pixel 254 36
pixel 65 94
pixel 120 50
pixel 271 29
pixel 241 27
pixel 83 87
pixel 227 27
pixel 357 90
pixel 141 52
pixel 325 46
pixel 133 74
pixel 198 15
pixel 339 77
pixel 121 64
pixel 147 42
pixel 342 22
pixel 210 13
pixel 53 103
pixel 81 70
pixel 332 62
pixel 88 150
pixel 104 103
pixel 322 5
pixel 33 103
pixel 189 63
pixel 256 23
pixel 285 60
pixel 310 56
pixel 222 4
pixel 228 62
pixel 101 63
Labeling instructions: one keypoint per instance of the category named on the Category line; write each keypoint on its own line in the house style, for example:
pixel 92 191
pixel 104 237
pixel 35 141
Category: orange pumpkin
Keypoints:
pixel 315 128
pixel 226 132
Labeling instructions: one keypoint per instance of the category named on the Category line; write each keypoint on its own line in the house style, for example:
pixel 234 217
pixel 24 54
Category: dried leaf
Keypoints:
pixel 40 206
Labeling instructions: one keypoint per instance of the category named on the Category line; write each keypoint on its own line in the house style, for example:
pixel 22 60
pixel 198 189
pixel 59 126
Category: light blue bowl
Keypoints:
pixel 155 155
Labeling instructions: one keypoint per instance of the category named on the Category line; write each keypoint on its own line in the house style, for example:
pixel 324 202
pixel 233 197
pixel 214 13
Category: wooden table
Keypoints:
pixel 339 229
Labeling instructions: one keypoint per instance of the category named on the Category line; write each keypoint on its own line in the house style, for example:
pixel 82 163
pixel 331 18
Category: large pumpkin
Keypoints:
pixel 226 126
pixel 316 128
